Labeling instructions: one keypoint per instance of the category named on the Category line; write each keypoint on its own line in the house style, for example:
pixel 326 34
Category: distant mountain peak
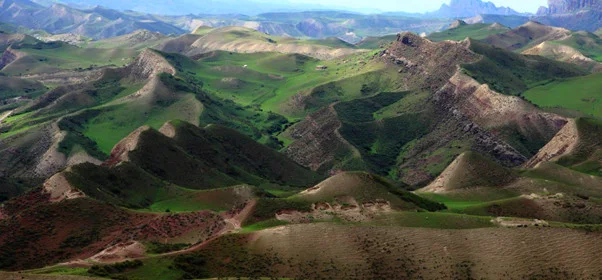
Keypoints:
pixel 470 8
pixel 569 6
pixel 457 24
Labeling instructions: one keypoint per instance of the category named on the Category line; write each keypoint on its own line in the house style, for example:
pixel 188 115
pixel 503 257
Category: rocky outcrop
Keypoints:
pixel 120 152
pixel 317 141
pixel 9 56
pixel 427 64
pixel 59 189
pixel 491 109
pixel 147 65
pixel 562 144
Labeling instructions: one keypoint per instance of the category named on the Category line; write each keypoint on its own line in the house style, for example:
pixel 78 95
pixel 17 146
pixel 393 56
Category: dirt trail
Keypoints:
pixel 5 115
pixel 235 225
pixel 133 249
pixel 120 252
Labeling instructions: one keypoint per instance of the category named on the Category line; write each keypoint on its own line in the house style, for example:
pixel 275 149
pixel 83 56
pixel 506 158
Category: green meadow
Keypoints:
pixel 581 94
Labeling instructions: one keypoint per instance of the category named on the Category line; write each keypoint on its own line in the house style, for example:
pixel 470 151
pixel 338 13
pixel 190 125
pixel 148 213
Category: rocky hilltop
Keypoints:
pixel 470 8
pixel 568 6
pixel 572 14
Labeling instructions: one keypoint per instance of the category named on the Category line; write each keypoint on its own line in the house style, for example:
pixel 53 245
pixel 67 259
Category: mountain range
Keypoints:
pixel 117 18
pixel 263 147
pixel 471 8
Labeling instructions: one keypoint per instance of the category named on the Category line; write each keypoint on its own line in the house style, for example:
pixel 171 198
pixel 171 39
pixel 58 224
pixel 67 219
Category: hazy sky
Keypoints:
pixel 420 5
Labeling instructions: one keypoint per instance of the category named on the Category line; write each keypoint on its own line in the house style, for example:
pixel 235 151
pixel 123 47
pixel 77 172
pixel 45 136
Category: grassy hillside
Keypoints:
pixel 246 40
pixel 364 188
pixel 476 31
pixel 587 43
pixel 55 56
pixel 381 141
pixel 195 158
pixel 408 252
pixel 376 42
pixel 548 192
pixel 472 170
pixel 581 94
pixel 12 87
pixel 139 39
pixel 527 35
pixel 513 74
pixel 126 185
pixel 588 153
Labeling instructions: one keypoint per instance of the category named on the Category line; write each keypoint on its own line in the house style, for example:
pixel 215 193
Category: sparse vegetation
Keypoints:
pixel 108 270
pixel 513 74
pixel 161 248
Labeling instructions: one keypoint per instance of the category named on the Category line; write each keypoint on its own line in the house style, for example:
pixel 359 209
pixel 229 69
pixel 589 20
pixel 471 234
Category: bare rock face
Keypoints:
pixel 429 64
pixel 121 151
pixel 317 140
pixel 59 189
pixel 562 144
pixel 491 109
pixel 149 64
pixel 568 6
pixel 9 56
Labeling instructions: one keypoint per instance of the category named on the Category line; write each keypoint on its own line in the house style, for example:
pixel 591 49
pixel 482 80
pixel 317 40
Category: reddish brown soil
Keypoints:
pixel 35 233
pixel 166 227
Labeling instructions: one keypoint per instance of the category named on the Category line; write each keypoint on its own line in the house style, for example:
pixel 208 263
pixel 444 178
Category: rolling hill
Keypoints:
pixel 386 131
pixel 577 47
pixel 231 152
pixel 529 34
pixel 244 40
pixel 460 30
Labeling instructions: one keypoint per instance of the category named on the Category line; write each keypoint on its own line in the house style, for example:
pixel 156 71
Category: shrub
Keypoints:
pixel 107 270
